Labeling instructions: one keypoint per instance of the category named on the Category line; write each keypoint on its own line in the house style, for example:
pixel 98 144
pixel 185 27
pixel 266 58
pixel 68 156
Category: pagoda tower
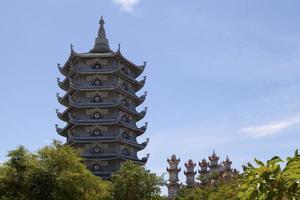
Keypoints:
pixel 100 99
pixel 214 162
pixel 190 173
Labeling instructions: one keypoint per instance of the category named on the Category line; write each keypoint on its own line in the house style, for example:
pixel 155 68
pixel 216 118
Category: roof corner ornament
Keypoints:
pixel 119 46
pixel 118 52
pixel 58 66
pixel 145 126
pixel 143 80
pixel 72 49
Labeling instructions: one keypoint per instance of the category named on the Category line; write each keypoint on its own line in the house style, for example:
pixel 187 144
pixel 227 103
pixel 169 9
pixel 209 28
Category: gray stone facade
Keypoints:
pixel 100 99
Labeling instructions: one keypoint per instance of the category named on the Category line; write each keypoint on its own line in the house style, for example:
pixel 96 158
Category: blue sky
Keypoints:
pixel 222 75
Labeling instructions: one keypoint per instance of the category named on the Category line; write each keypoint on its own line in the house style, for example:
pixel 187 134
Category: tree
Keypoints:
pixel 268 181
pixel 224 189
pixel 133 182
pixel 54 172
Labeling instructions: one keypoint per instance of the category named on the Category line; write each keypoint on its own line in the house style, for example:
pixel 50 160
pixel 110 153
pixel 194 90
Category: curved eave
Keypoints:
pixel 138 146
pixel 115 156
pixel 66 67
pixel 64 100
pixel 93 105
pixel 64 131
pixel 64 116
pixel 96 55
pixel 138 115
pixel 138 69
pixel 138 84
pixel 139 100
pixel 108 122
pixel 64 85
pixel 93 88
pixel 136 160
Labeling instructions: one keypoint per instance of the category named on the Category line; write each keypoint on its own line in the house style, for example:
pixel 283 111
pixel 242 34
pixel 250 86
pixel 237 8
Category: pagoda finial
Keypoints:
pixel 101 22
pixel 101 42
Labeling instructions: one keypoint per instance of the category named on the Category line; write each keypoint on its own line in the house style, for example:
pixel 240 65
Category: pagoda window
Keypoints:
pixel 96 167
pixel 96 132
pixel 97 82
pixel 97 115
pixel 125 135
pixel 125 118
pixel 126 151
pixel 125 102
pixel 97 149
pixel 97 99
pixel 97 66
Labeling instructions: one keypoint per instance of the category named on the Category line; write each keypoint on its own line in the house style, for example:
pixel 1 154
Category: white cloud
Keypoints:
pixel 126 5
pixel 271 128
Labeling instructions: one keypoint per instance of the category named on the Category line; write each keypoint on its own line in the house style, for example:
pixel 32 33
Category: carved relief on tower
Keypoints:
pixel 92 94
pixel 94 61
pixel 96 131
pixel 100 77
pixel 92 111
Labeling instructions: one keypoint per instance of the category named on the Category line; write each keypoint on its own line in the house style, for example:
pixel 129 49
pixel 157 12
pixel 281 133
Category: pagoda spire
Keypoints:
pixel 101 42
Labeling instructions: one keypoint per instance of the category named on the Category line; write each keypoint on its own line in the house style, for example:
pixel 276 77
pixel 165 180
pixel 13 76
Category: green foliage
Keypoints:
pixel 269 182
pixel 133 182
pixel 54 172
pixel 226 189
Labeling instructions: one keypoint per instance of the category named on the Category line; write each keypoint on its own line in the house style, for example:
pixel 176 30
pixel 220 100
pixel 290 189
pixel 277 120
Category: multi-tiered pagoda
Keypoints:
pixel 101 104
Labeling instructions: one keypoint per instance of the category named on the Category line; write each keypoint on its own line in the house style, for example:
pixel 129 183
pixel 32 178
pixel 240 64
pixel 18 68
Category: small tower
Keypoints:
pixel 190 173
pixel 173 170
pixel 203 167
pixel 203 171
pixel 214 162
pixel 227 165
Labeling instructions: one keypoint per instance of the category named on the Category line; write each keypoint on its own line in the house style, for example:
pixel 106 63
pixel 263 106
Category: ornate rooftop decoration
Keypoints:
pixel 101 42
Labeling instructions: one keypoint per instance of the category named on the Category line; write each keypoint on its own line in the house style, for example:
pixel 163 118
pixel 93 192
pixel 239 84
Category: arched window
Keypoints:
pixel 97 149
pixel 126 151
pixel 97 66
pixel 96 132
pixel 125 118
pixel 125 135
pixel 97 82
pixel 96 167
pixel 97 99
pixel 97 115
